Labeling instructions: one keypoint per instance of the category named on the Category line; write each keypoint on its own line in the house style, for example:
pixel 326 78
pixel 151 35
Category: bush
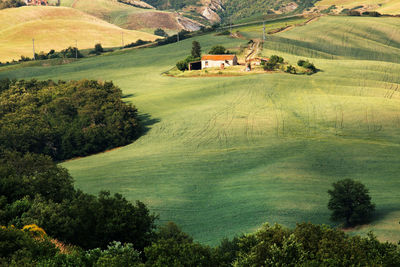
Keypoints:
pixel 307 65
pixel 21 248
pixel 183 65
pixel 226 32
pixel 354 13
pixel 137 43
pixel 98 49
pixel 371 14
pixel 273 63
pixel 290 69
pixel 70 52
pixel 160 32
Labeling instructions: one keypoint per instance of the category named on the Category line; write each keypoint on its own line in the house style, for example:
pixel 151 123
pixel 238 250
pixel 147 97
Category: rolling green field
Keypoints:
pixel 224 155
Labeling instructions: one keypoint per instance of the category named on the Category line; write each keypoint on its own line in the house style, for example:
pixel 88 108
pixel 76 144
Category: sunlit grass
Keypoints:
pixel 223 155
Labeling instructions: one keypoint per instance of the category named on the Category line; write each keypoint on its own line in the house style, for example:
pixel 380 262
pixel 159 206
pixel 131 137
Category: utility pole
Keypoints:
pixel 122 39
pixel 33 47
pixel 264 30
pixel 76 49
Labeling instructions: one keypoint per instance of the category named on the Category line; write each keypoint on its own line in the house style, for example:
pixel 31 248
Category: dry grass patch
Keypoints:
pixel 57 28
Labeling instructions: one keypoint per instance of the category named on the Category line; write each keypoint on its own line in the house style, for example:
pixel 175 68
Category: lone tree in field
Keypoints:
pixel 160 32
pixel 350 201
pixel 98 49
pixel 196 49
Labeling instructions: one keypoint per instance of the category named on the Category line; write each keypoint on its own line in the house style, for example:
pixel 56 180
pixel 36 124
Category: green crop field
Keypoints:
pixel 225 154
pixel 256 31
pixel 383 6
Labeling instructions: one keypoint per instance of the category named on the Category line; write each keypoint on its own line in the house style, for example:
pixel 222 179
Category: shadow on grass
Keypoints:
pixel 382 213
pixel 128 95
pixel 146 121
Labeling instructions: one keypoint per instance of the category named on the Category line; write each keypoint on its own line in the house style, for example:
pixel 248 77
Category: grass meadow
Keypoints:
pixel 56 28
pixel 225 154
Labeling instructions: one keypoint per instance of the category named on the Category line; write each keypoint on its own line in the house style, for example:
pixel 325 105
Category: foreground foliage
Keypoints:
pixel 110 231
pixel 64 119
pixel 34 190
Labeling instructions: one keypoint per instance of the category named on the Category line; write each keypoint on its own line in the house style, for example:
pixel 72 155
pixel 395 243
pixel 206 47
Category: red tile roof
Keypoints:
pixel 218 57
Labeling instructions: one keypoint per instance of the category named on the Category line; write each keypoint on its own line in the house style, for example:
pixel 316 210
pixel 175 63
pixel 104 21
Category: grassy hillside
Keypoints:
pixel 126 16
pixel 56 28
pixel 342 38
pixel 382 6
pixel 224 155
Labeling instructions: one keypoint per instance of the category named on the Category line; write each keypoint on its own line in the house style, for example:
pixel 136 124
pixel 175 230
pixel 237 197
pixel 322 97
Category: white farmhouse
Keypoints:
pixel 218 61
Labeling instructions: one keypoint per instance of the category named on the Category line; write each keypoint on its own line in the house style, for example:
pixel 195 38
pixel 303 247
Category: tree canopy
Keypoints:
pixel 218 50
pixel 196 49
pixel 350 201
pixel 65 119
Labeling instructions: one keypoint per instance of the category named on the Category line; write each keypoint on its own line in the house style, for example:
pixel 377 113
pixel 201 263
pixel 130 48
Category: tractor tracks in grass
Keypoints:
pixel 217 127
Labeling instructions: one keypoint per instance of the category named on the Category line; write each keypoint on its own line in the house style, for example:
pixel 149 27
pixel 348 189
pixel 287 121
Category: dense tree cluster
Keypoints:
pixel 137 43
pixel 195 55
pixel 64 119
pixel 34 190
pixel 70 52
pixel 273 63
pixel 307 65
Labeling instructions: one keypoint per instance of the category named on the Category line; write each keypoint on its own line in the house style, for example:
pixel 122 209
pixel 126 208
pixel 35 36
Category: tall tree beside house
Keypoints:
pixel 218 50
pixel 196 49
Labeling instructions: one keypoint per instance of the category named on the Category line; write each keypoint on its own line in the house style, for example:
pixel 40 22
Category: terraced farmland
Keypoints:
pixel 224 155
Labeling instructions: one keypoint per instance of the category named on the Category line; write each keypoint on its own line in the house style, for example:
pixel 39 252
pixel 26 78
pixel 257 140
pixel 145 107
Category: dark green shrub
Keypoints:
pixel 307 65
pixel 273 62
pixel 184 64
pixel 218 50
pixel 354 13
pixel 290 69
pixel 160 32
pixel 371 14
